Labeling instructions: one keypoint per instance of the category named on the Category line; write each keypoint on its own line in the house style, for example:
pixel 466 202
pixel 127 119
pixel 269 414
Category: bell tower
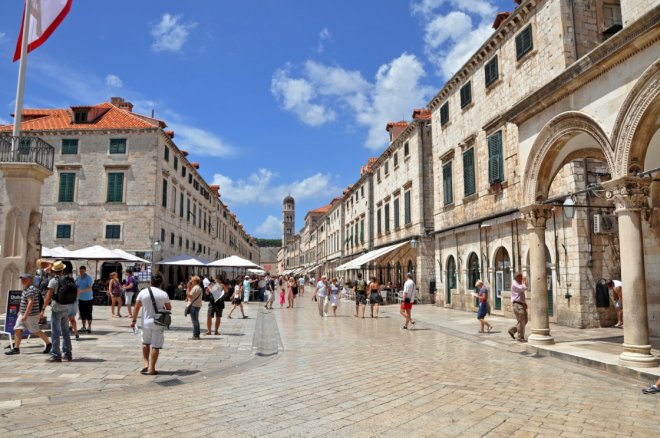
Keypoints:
pixel 288 218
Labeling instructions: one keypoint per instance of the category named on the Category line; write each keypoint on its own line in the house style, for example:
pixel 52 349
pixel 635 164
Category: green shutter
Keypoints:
pixel 495 158
pixel 468 173
pixel 379 216
pixel 406 201
pixel 396 213
pixel 362 231
pixel 115 187
pixel 447 184
pixel 67 187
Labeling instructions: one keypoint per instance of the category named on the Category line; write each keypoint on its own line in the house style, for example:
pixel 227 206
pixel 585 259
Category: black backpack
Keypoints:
pixel 66 292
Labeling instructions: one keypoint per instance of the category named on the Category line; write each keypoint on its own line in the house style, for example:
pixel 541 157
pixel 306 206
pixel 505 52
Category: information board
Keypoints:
pixel 13 310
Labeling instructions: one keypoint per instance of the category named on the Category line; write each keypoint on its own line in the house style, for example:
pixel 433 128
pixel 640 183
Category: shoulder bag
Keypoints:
pixel 163 317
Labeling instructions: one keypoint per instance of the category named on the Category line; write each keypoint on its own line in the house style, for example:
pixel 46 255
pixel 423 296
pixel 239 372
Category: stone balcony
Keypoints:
pixel 28 150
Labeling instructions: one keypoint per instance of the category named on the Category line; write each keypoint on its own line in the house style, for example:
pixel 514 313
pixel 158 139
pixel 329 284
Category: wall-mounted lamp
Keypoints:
pixel 414 243
pixel 569 207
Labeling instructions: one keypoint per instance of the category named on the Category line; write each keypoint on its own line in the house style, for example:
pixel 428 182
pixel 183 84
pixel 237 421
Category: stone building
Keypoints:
pixel 555 114
pixel 120 181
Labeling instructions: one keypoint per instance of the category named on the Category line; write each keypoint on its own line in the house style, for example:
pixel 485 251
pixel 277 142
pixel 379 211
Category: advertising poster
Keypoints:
pixel 13 308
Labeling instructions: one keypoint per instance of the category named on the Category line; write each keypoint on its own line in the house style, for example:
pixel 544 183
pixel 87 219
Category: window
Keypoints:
pixel 387 167
pixel 180 205
pixel 524 43
pixel 70 146
pixel 174 200
pixel 172 239
pixel 378 221
pixel 188 210
pixel 446 184
pixel 176 163
pixel 387 217
pixel 117 145
pixel 80 116
pixel 466 94
pixel 444 114
pixel 356 234
pixel 495 159
pixel 166 153
pixel 490 71
pixel 396 160
pixel 63 231
pixel 162 235
pixel 190 180
pixel 67 187
pixel 183 171
pixel 115 187
pixel 187 244
pixel 611 18
pixel 362 191
pixel 113 231
pixel 407 218
pixel 164 200
pixel 180 241
pixel 396 213
pixel 362 231
pixel 469 185
pixel 406 149
pixel 378 175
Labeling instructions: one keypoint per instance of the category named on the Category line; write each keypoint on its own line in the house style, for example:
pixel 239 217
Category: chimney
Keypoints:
pixel 500 18
pixel 121 104
pixel 421 114
pixel 396 128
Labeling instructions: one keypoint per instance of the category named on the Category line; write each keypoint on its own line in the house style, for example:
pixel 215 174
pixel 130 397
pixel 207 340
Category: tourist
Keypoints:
pixel 322 296
pixel 195 299
pixel 652 389
pixel 408 301
pixel 28 317
pixel 114 292
pixel 301 286
pixel 290 284
pixel 84 283
pixel 282 295
pixel 374 297
pixel 60 299
pixel 617 293
pixel 334 296
pixel 180 292
pixel 261 285
pixel 483 305
pixel 216 294
pixel 360 291
pixel 129 291
pixel 519 303
pixel 237 300
pixel 153 336
pixel 246 289
pixel 270 291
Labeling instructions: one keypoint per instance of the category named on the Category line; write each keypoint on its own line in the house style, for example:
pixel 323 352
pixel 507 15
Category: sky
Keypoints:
pixel 271 97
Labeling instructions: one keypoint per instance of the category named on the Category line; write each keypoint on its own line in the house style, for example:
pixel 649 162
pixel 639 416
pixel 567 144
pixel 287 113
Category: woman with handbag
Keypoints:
pixel 195 300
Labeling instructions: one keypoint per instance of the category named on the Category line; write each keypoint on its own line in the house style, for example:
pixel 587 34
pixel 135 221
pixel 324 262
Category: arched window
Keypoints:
pixel 502 275
pixel 399 275
pixel 450 281
pixel 473 273
pixel 411 268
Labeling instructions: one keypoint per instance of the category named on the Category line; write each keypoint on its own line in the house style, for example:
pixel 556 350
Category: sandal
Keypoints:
pixel 144 370
pixel 490 327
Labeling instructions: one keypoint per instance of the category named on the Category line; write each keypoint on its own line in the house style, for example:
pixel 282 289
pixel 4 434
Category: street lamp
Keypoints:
pixel 414 243
pixel 569 207
pixel 155 247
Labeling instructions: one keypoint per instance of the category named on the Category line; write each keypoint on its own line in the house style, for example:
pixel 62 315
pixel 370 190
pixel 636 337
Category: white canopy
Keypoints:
pixel 55 253
pixel 257 271
pixel 358 262
pixel 96 252
pixel 130 257
pixel 183 260
pixel 234 262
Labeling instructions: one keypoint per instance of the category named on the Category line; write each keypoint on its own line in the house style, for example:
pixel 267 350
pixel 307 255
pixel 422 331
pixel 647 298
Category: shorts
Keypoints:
pixel 375 298
pixel 236 301
pixel 215 311
pixel 128 298
pixel 85 308
pixel 74 309
pixel 618 305
pixel 30 323
pixel 360 298
pixel 406 306
pixel 154 336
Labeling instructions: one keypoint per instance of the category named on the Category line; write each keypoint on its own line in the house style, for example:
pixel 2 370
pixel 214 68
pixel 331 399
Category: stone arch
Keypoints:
pixel 637 122
pixel 558 144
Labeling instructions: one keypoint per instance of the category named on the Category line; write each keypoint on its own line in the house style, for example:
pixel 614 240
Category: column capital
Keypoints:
pixel 536 215
pixel 628 192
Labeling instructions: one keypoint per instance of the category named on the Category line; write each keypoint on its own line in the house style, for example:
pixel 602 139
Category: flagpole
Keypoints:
pixel 22 67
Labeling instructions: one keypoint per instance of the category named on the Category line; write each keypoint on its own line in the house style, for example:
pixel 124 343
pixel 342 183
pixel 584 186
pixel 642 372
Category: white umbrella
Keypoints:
pixel 55 253
pixel 183 260
pixel 257 271
pixel 97 252
pixel 130 257
pixel 234 262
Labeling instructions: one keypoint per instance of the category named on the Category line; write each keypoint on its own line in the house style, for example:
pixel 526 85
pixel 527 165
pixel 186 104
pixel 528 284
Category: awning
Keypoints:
pixel 501 220
pixel 371 255
pixel 313 268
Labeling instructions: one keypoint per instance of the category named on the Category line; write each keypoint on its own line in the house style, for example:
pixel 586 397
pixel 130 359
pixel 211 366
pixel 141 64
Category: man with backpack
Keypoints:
pixel 360 294
pixel 62 293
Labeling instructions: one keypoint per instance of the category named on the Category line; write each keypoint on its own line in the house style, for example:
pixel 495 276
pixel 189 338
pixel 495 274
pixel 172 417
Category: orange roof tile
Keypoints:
pixel 401 123
pixel 499 18
pixel 110 117
pixel 421 114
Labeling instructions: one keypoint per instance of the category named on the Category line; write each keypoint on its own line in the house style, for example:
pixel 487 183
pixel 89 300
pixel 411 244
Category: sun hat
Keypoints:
pixel 25 275
pixel 58 266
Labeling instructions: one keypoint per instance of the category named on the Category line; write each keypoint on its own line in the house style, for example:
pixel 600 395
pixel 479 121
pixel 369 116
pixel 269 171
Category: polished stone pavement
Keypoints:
pixel 288 372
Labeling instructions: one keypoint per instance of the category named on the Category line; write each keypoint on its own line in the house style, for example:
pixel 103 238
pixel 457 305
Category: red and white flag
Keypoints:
pixel 45 16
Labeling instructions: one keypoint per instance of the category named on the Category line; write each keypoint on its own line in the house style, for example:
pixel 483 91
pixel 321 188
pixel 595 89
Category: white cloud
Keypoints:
pixel 396 90
pixel 2 36
pixel 112 81
pixel 324 36
pixel 200 141
pixel 450 38
pixel 4 121
pixel 170 34
pixel 270 228
pixel 261 188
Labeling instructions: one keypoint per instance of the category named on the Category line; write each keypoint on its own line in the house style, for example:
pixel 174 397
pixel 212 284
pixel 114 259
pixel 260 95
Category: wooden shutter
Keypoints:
pixel 468 173
pixel 495 158
pixel 446 183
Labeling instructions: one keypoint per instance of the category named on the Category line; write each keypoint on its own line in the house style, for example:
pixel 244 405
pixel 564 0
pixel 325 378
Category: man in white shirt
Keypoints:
pixel 322 296
pixel 153 336
pixel 301 286
pixel 408 300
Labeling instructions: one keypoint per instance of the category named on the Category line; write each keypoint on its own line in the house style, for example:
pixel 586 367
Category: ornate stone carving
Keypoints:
pixel 536 215
pixel 629 193
pixel 33 249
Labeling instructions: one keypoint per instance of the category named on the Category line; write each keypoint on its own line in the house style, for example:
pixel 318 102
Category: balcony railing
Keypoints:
pixel 26 150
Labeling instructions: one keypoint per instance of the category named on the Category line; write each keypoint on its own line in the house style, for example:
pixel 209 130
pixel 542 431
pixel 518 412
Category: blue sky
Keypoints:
pixel 272 97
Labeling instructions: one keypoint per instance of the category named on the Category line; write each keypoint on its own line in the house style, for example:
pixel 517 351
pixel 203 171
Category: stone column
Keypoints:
pixel 630 196
pixel 536 216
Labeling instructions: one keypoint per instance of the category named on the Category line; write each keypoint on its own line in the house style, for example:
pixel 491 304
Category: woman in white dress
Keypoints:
pixel 334 296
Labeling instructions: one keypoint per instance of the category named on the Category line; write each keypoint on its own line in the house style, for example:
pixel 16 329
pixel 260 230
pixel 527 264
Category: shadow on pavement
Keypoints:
pixel 88 359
